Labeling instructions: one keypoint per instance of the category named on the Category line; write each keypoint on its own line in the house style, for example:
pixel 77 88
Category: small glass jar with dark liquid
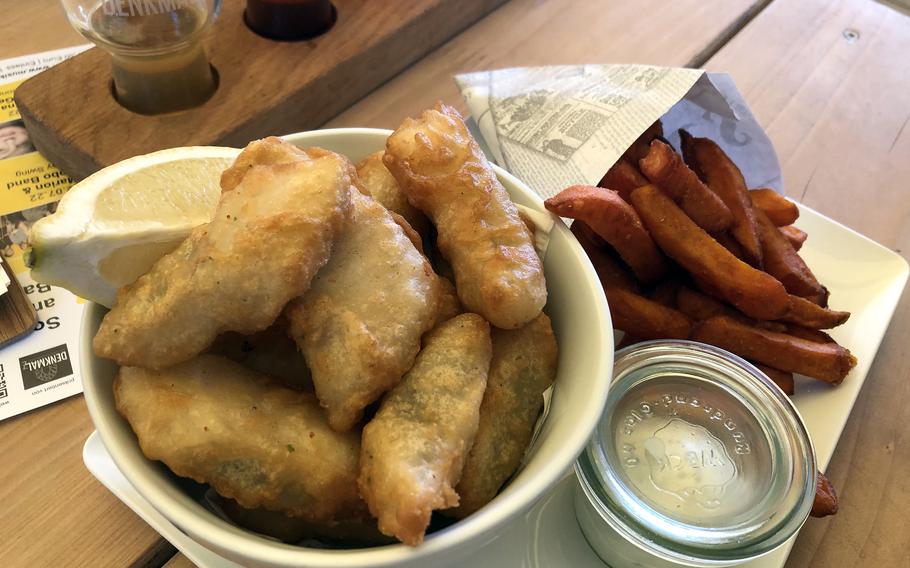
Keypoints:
pixel 289 20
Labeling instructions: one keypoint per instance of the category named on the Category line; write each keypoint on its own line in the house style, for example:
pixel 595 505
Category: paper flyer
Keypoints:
pixel 562 125
pixel 41 367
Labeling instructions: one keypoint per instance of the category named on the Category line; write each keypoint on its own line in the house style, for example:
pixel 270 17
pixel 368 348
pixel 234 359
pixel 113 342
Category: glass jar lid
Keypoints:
pixel 698 455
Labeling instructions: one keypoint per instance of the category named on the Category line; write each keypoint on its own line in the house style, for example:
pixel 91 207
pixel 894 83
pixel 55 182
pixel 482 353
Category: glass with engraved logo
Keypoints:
pixel 699 460
pixel 158 59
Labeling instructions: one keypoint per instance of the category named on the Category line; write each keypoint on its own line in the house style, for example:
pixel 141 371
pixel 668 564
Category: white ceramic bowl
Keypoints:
pixel 582 324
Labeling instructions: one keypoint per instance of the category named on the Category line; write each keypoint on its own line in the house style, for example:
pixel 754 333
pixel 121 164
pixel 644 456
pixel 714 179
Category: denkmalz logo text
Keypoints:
pixel 45 366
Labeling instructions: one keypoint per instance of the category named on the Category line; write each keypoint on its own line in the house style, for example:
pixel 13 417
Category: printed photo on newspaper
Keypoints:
pixel 41 367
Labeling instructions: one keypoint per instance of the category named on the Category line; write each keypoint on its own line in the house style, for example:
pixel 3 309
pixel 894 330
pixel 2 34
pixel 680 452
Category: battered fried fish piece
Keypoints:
pixel 523 367
pixel 268 151
pixel 270 352
pixel 271 151
pixel 415 447
pixel 449 306
pixel 254 441
pixel 445 174
pixel 412 235
pixel 361 532
pixel 383 188
pixel 269 237
pixel 359 325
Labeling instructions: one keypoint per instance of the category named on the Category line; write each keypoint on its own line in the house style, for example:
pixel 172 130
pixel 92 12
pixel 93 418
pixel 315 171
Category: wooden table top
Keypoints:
pixel 827 79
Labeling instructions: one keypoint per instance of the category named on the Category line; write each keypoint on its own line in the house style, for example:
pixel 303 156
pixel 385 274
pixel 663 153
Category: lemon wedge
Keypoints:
pixel 112 226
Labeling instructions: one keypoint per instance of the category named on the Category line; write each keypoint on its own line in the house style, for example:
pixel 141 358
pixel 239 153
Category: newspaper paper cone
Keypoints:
pixel 563 125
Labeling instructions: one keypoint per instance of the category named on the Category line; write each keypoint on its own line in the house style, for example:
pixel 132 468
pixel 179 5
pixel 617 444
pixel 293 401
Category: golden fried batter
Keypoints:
pixel 523 367
pixel 269 237
pixel 359 325
pixel 449 306
pixel 415 447
pixel 355 533
pixel 252 440
pixel 270 352
pixel 269 151
pixel 384 189
pixel 444 174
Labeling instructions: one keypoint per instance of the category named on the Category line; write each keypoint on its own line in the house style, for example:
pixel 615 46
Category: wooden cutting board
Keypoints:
pixel 17 313
pixel 265 87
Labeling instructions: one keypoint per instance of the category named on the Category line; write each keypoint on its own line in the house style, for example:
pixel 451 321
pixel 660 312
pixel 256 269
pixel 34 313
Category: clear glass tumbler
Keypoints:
pixel 158 60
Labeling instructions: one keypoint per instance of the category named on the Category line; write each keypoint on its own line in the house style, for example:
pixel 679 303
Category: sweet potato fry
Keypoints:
pixel 610 271
pixel 825 497
pixel 731 244
pixel 775 326
pixel 645 318
pixel 753 292
pixel 664 167
pixel 642 144
pixel 616 222
pixel 808 314
pixel 719 172
pixel 783 263
pixel 623 177
pixel 700 306
pixel 778 208
pixel 664 293
pixel 628 339
pixel 783 379
pixel 808 334
pixel 796 236
pixel 827 362
pixel 582 231
pixel 821 298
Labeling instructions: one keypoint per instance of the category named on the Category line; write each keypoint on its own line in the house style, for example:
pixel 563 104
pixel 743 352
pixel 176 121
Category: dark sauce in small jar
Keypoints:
pixel 289 20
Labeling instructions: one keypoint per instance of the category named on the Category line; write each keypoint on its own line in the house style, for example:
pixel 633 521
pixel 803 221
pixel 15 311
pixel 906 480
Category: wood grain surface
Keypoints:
pixel 835 107
pixel 829 81
pixel 264 86
pixel 179 561
pixel 531 32
pixel 54 512
pixel 35 26
pixel 17 313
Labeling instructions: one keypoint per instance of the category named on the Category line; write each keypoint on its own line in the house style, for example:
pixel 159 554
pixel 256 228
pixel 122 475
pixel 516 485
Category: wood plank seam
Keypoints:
pixel 728 33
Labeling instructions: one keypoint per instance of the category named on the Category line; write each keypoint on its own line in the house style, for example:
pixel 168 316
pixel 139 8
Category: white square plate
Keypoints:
pixel 865 279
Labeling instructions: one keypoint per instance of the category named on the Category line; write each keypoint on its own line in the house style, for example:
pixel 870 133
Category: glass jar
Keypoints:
pixel 288 20
pixel 699 460
pixel 158 60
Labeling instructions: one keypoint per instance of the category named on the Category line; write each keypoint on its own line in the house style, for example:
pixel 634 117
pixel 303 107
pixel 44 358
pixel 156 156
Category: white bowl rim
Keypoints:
pixel 259 549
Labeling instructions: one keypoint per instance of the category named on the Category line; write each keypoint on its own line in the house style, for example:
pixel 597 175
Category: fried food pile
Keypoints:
pixel 302 355
pixel 685 250
pixel 445 174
